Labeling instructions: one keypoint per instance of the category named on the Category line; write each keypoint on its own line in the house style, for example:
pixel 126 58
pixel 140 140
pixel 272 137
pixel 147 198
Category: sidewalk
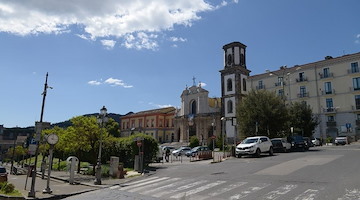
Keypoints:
pixel 60 186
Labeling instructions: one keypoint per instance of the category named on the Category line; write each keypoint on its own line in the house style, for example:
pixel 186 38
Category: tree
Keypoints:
pixel 302 119
pixel 262 113
pixel 194 141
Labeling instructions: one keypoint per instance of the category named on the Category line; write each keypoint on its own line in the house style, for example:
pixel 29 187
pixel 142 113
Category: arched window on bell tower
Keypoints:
pixel 229 85
pixel 244 84
pixel 193 107
pixel 230 106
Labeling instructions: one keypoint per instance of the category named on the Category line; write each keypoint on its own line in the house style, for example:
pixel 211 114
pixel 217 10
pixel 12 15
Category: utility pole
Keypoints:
pixel 33 172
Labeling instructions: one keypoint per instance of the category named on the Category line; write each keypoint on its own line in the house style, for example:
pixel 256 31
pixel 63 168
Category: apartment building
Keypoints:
pixel 158 123
pixel 330 86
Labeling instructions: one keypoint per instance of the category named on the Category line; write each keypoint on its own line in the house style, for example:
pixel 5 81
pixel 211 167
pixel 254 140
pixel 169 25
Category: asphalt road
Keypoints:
pixel 323 173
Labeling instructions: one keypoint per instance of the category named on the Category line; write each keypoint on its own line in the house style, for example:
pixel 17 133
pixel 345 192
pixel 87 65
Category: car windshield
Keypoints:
pixel 195 148
pixel 2 170
pixel 250 141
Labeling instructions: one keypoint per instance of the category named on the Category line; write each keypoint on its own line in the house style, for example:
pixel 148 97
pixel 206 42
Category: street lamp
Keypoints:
pixel 223 119
pixel 101 120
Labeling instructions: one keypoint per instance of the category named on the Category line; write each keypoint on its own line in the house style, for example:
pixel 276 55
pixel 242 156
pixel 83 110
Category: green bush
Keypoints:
pixel 8 188
pixel 194 141
pixel 329 140
pixel 2 184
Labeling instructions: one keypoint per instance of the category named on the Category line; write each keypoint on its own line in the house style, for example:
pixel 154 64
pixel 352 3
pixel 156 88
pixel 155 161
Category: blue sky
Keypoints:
pixel 140 55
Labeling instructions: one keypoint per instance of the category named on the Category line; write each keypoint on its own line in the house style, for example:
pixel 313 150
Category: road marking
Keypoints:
pixel 184 187
pixel 153 185
pixel 249 190
pixel 139 181
pixel 165 187
pixel 221 190
pixel 280 191
pixel 296 164
pixel 307 195
pixel 351 195
pixel 197 190
pixel 114 187
pixel 143 183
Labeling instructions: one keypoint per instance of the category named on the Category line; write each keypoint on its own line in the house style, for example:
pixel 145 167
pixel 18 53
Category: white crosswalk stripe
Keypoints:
pixel 309 194
pixel 184 187
pixel 167 186
pixel 249 191
pixel 143 183
pixel 351 194
pixel 279 191
pixel 142 180
pixel 221 190
pixel 197 190
pixel 153 185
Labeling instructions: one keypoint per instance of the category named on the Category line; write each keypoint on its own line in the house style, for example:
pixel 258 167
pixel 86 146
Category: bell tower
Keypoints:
pixel 233 87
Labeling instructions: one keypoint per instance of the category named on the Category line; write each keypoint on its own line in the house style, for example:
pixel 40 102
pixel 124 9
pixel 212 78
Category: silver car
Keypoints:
pixel 181 151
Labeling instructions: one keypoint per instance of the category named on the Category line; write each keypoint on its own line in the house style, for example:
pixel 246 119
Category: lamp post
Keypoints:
pixel 101 119
pixel 223 134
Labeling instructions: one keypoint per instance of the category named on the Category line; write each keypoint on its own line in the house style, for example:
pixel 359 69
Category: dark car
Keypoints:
pixel 197 150
pixel 3 174
pixel 297 143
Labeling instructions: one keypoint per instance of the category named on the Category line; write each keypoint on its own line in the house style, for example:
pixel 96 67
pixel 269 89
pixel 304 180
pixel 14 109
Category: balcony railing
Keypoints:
pixel 331 123
pixel 302 95
pixel 329 110
pixel 301 79
pixel 326 75
pixel 353 71
pixel 260 87
pixel 279 83
pixel 327 92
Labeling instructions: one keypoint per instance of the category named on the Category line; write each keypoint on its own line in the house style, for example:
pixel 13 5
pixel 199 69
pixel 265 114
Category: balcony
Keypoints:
pixel 352 89
pixel 326 75
pixel 329 110
pixel 302 79
pixel 331 123
pixel 303 95
pixel 356 108
pixel 353 71
pixel 327 92
pixel 279 84
pixel 260 87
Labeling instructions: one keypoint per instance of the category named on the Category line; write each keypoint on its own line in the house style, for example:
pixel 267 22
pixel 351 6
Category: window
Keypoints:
pixel 328 89
pixel 160 123
pixel 244 84
pixel 281 93
pixel 132 123
pixel 152 123
pixel 354 67
pixel 147 123
pixel 280 80
pixel 230 106
pixel 229 85
pixel 193 107
pixel 302 91
pixel 140 123
pixel 260 85
pixel 326 72
pixel 358 117
pixel 357 101
pixel 329 104
pixel 331 118
pixel 356 83
pixel 301 76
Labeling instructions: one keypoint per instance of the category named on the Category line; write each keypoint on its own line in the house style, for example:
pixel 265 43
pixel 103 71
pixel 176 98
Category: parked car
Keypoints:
pixel 341 140
pixel 181 151
pixel 196 150
pixel 254 146
pixel 280 145
pixel 297 142
pixel 308 143
pixel 316 142
pixel 161 152
pixel 3 174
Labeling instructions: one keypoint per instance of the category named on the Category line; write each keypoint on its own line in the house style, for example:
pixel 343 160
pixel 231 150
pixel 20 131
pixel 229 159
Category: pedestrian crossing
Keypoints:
pixel 191 188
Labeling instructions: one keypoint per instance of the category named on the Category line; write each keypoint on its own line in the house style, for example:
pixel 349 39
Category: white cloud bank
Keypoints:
pixel 138 23
pixel 112 82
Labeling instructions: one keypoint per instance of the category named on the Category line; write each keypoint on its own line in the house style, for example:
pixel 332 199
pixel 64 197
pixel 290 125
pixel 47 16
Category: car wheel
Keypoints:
pixel 271 151
pixel 257 153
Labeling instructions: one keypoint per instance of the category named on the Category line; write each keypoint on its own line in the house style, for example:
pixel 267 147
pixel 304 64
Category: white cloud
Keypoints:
pixel 94 83
pixel 357 41
pixel 178 39
pixel 109 44
pixel 117 82
pixel 160 106
pixel 112 82
pixel 104 20
pixel 202 84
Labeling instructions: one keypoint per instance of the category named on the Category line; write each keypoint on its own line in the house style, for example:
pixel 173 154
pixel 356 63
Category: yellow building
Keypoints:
pixel 158 123
pixel 330 86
